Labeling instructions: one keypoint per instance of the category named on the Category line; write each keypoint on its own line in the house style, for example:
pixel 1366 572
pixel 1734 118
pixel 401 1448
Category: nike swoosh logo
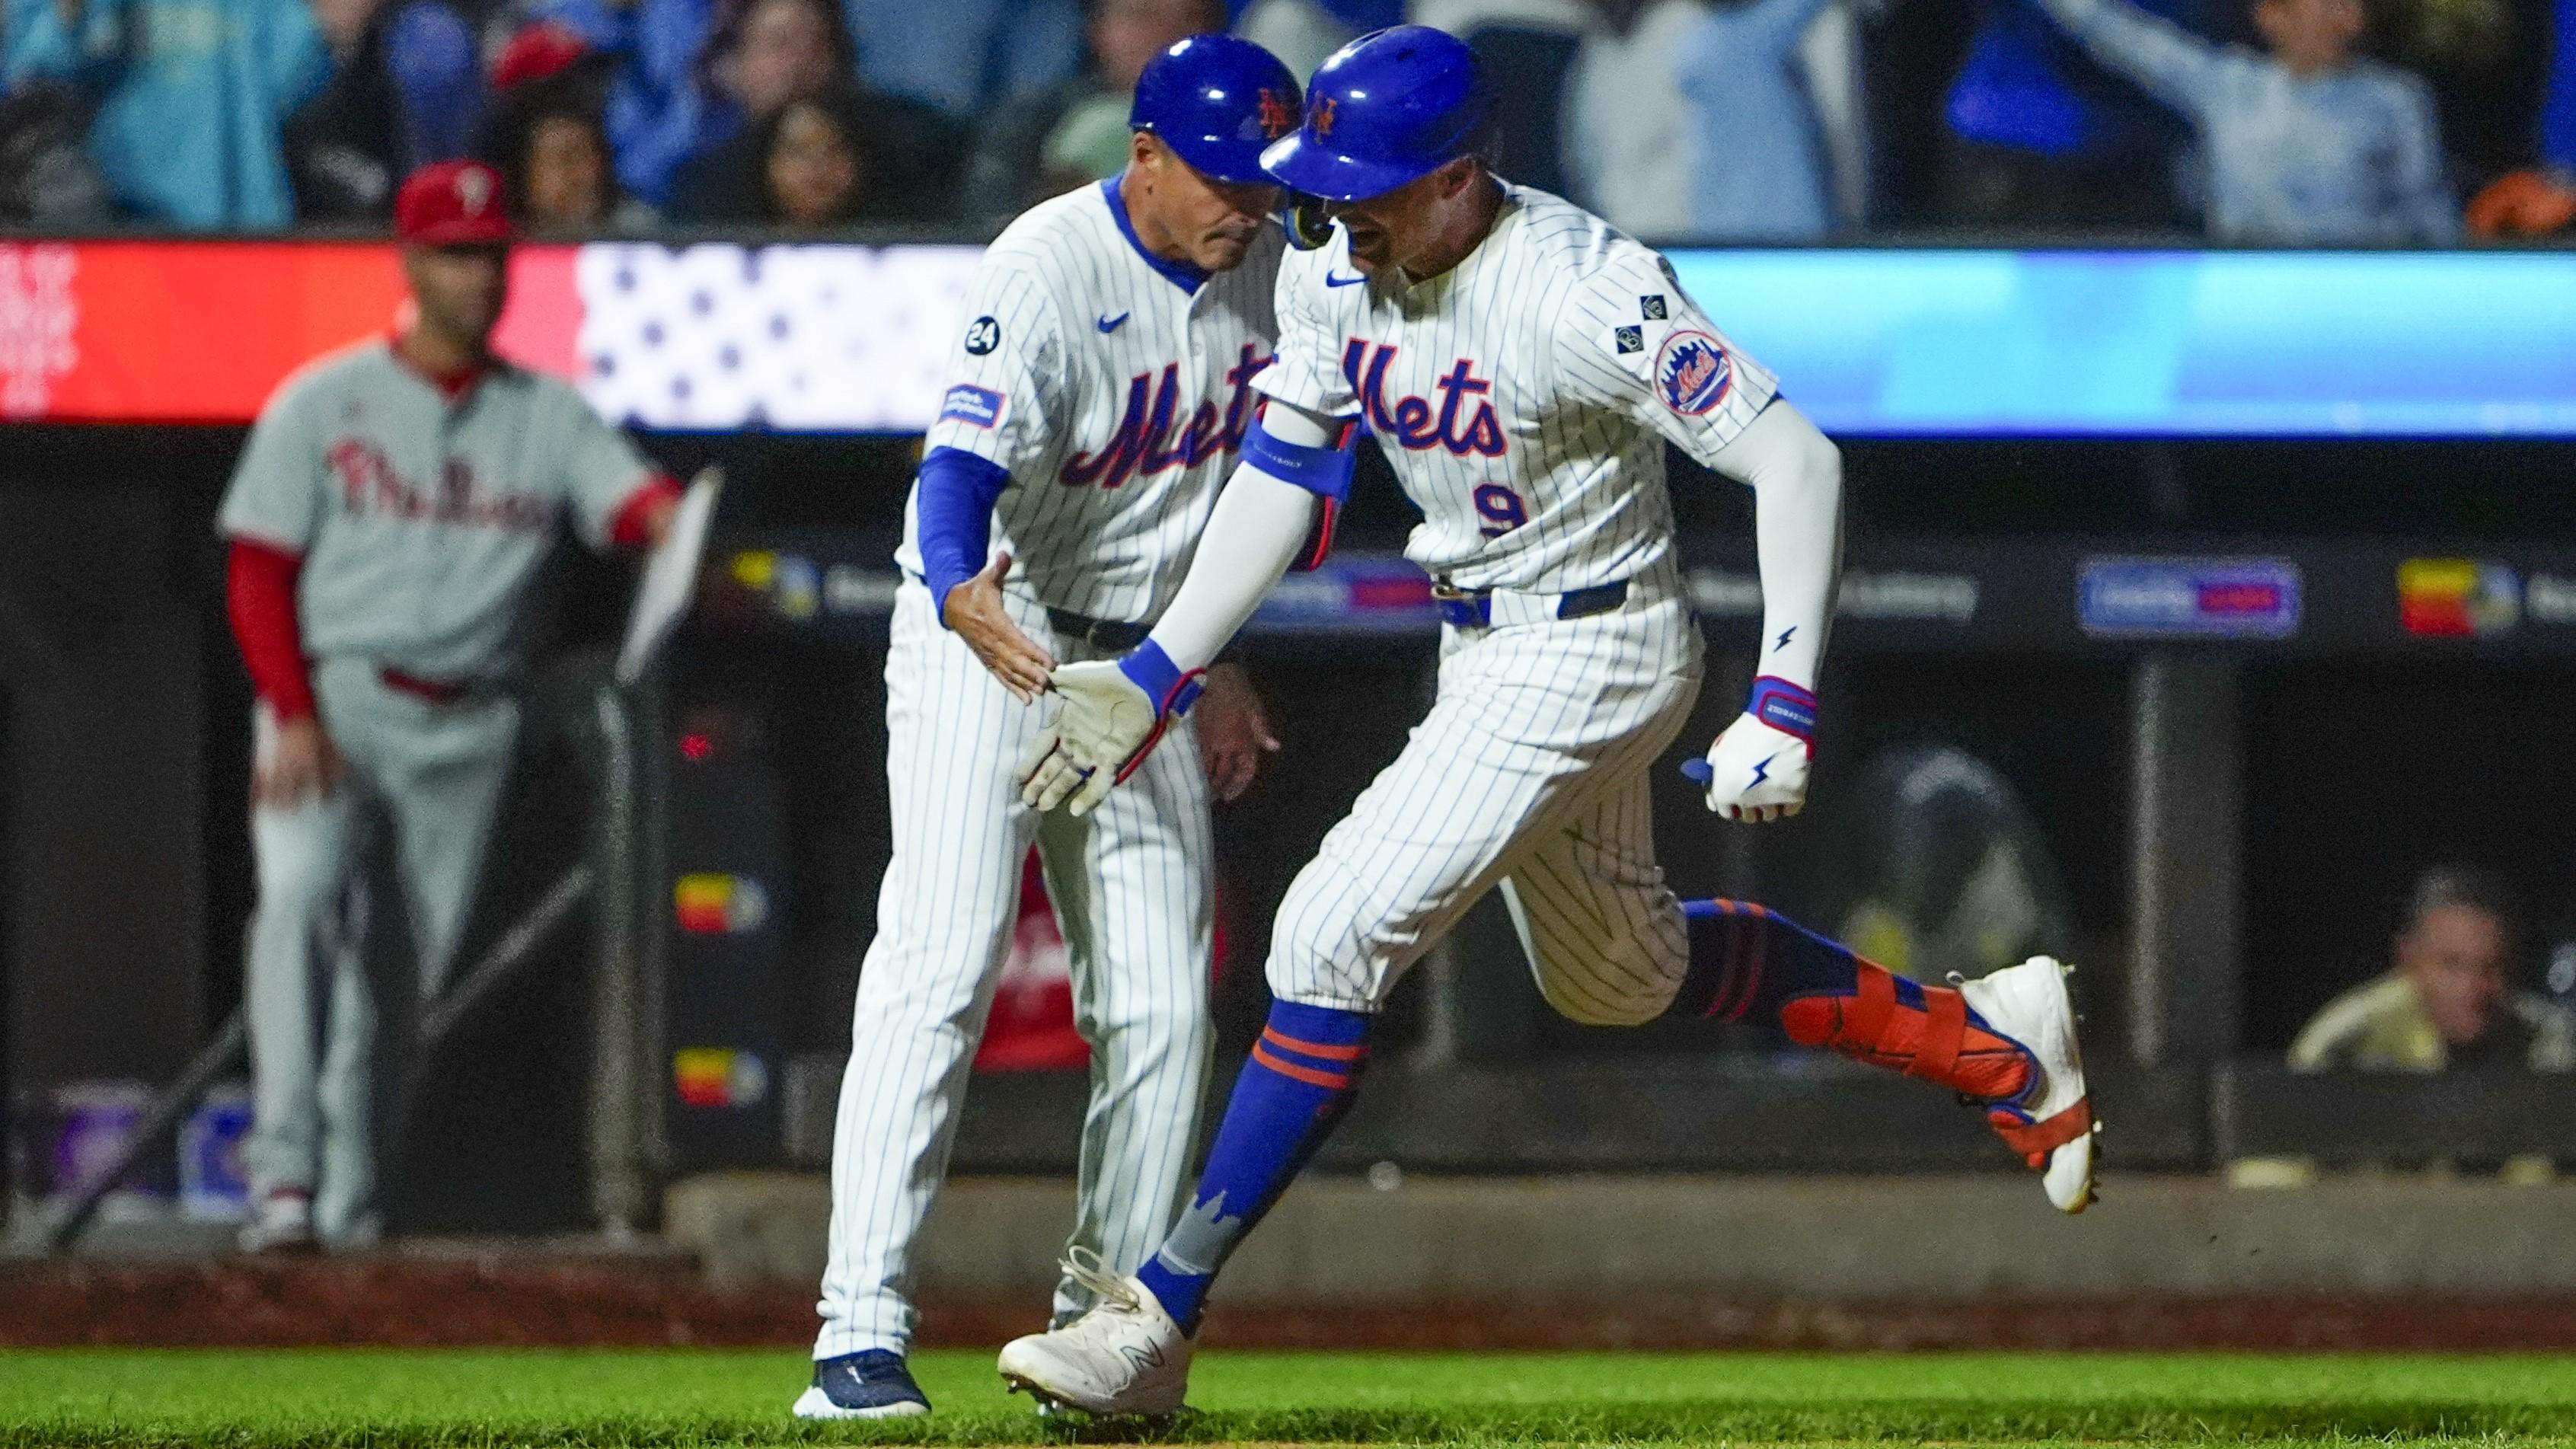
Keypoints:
pixel 1112 324
pixel 1333 281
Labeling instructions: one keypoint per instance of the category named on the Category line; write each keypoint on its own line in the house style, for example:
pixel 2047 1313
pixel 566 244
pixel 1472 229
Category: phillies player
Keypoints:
pixel 1099 390
pixel 392 506
pixel 1522 366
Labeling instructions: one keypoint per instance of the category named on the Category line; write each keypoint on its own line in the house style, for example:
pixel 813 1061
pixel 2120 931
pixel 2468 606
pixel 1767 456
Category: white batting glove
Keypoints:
pixel 1109 717
pixel 1757 770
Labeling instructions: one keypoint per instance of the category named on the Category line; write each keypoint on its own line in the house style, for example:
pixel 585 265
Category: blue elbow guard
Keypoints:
pixel 1324 472
pixel 957 494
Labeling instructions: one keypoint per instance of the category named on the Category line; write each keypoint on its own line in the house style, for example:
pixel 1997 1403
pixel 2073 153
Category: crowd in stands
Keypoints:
pixel 2305 122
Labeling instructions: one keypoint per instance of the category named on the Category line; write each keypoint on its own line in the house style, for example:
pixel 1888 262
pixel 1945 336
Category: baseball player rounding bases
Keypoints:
pixel 394 502
pixel 1522 365
pixel 1099 391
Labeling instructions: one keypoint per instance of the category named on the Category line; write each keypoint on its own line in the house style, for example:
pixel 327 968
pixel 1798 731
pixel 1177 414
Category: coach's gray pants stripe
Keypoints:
pixel 422 785
pixel 1131 888
pixel 1529 772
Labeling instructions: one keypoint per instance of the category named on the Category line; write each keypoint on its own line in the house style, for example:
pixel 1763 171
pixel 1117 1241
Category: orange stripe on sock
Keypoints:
pixel 1294 1072
pixel 1287 1043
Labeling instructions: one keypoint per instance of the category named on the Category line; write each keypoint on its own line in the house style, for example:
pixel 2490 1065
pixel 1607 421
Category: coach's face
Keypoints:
pixel 1409 226
pixel 460 290
pixel 1175 207
pixel 2455 957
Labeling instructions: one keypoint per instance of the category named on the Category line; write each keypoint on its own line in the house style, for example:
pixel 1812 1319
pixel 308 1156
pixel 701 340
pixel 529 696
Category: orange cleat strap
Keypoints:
pixel 2035 1140
pixel 1865 1020
pixel 1945 1025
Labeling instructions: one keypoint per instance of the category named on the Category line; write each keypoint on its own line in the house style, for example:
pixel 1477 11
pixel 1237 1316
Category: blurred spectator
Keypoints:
pixel 1684 122
pixel 691 74
pixel 966 57
pixel 828 161
pixel 762 55
pixel 1302 33
pixel 2308 144
pixel 47 180
pixel 2449 1002
pixel 405 90
pixel 1524 49
pixel 190 98
pixel 545 136
pixel 909 155
pixel 2541 200
pixel 2046 137
pixel 1076 131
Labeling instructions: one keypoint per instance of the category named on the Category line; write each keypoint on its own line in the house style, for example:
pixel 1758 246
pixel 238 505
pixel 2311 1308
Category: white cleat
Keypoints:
pixel 2051 1123
pixel 1125 1357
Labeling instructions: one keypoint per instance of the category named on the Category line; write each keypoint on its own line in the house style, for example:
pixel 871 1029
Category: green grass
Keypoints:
pixel 387 1399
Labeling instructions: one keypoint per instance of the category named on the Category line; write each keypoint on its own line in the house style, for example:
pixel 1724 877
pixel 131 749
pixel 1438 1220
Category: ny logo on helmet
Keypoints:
pixel 1324 117
pixel 1278 118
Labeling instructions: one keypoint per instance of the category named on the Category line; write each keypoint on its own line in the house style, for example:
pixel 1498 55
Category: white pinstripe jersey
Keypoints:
pixel 1115 388
pixel 1523 396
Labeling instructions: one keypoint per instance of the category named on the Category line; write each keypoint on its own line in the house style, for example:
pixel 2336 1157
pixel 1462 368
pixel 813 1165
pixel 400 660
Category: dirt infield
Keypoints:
pixel 509 1297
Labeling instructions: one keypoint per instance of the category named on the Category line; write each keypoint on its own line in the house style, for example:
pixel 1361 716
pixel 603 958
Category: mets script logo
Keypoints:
pixel 1278 118
pixel 1324 107
pixel 1692 373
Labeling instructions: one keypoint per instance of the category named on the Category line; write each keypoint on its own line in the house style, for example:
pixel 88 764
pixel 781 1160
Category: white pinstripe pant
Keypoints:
pixel 1530 773
pixel 1131 890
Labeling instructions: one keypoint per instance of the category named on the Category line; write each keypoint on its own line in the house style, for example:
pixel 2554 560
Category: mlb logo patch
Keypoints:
pixel 1692 373
pixel 1631 339
pixel 967 403
pixel 1651 308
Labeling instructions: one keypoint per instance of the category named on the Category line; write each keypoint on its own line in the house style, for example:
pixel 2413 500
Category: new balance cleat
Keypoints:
pixel 1126 1357
pixel 873 1384
pixel 2050 1120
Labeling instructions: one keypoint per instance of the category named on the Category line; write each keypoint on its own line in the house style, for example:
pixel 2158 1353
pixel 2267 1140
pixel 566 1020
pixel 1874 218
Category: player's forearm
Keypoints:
pixel 259 597
pixel 1796 474
pixel 953 518
pixel 2178 66
pixel 1259 524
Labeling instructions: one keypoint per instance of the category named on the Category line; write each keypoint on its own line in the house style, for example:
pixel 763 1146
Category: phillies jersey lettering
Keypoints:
pixel 370 484
pixel 422 520
pixel 1115 388
pixel 1523 398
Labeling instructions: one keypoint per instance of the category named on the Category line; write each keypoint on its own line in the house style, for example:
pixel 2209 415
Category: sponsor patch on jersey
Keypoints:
pixel 1692 373
pixel 983 335
pixel 967 403
pixel 1651 308
pixel 1631 339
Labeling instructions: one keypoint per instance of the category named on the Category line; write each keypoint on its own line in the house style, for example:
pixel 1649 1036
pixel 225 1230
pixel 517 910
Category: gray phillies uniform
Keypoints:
pixel 420 521
pixel 1115 390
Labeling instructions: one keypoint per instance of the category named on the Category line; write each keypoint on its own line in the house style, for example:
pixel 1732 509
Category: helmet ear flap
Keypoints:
pixel 1309 226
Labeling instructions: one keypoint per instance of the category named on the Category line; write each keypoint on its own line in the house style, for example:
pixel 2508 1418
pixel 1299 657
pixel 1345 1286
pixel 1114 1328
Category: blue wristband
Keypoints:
pixel 1152 670
pixel 1324 472
pixel 1784 707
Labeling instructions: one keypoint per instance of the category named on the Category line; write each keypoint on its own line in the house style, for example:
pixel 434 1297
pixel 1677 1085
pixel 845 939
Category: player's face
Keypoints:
pixel 460 290
pixel 1213 223
pixel 1404 227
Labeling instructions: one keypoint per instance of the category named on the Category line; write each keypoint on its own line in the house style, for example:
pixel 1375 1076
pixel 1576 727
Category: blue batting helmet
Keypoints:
pixel 1217 101
pixel 1391 106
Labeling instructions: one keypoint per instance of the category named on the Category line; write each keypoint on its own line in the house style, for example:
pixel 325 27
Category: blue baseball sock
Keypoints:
pixel 1292 1093
pixel 1745 956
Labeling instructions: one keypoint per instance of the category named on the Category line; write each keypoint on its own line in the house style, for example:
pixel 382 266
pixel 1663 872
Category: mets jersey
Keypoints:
pixel 1523 397
pixel 422 519
pixel 1115 388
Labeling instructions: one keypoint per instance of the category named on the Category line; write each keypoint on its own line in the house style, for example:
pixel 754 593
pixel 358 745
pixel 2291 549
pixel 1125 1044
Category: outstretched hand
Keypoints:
pixel 974 612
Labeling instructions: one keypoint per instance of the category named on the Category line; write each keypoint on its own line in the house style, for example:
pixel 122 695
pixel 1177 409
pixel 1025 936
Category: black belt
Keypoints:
pixel 1109 636
pixel 1474 609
